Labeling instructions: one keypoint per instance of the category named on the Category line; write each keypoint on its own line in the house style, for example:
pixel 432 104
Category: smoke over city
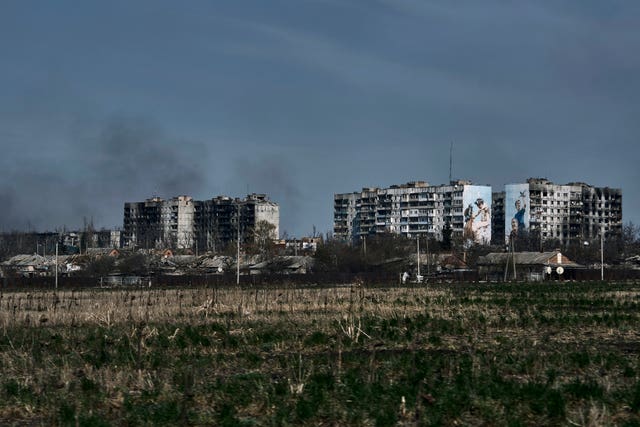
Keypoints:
pixel 121 160
pixel 135 156
pixel 104 105
pixel 124 159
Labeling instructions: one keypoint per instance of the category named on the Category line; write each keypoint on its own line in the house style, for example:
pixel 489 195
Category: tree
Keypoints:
pixel 134 264
pixel 385 246
pixel 527 241
pixel 17 242
pixel 334 255
pixel 630 240
pixel 100 266
pixel 263 236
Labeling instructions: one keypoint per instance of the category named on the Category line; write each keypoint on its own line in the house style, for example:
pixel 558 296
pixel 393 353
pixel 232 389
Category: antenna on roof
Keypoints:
pixel 450 161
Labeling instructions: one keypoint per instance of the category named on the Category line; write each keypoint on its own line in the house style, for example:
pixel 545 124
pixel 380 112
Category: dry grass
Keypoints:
pixel 306 355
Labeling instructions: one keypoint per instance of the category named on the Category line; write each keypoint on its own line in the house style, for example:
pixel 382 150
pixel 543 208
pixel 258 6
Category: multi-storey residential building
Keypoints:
pixel 497 218
pixel 216 221
pixel 344 214
pixel 143 223
pixel 182 222
pixel 562 212
pixel 158 222
pixel 178 222
pixel 415 208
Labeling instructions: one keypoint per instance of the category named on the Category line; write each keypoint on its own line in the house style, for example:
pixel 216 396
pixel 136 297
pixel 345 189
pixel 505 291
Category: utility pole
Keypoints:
pixel 364 246
pixel 602 253
pixel 428 257
pixel 418 258
pixel 56 266
pixel 238 254
pixel 506 267
pixel 511 256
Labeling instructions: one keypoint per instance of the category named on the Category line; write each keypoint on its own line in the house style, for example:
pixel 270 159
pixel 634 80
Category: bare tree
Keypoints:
pixel 263 237
pixel 134 264
pixel 100 266
pixel 630 239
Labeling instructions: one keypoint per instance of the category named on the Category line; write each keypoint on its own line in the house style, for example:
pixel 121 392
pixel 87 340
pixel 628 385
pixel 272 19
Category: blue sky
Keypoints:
pixel 107 102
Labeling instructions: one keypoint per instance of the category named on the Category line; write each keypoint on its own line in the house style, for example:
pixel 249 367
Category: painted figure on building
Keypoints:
pixel 482 222
pixel 467 230
pixel 477 223
pixel 521 209
pixel 514 228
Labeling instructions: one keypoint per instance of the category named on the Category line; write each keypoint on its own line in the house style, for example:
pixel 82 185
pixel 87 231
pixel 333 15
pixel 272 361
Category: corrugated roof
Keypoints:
pixel 526 258
pixel 286 261
pixel 183 260
pixel 216 261
pixel 25 260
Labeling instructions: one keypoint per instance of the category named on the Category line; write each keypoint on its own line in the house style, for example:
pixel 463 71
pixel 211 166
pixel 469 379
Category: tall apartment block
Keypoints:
pixel 563 212
pixel 143 223
pixel 216 220
pixel 497 219
pixel 415 208
pixel 182 222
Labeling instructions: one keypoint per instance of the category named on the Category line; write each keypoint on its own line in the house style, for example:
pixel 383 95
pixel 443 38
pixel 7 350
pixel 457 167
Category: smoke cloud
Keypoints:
pixel 135 157
pixel 122 159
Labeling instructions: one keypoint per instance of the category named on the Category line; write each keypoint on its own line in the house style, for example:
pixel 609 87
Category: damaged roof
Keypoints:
pixel 554 258
pixel 290 262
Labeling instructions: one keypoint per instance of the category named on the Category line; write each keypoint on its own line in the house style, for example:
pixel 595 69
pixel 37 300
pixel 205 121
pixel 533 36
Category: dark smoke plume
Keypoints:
pixel 123 160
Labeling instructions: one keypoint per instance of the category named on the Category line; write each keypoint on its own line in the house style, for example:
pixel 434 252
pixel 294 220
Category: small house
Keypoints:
pixel 527 266
pixel 283 265
pixel 26 265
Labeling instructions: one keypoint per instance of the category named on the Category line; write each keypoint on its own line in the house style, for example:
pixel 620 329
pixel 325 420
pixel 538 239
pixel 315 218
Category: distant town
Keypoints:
pixel 459 224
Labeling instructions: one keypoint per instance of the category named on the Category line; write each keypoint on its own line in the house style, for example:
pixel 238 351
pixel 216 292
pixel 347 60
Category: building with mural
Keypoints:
pixel 476 201
pixel 560 212
pixel 415 209
pixel 536 208
pixel 517 206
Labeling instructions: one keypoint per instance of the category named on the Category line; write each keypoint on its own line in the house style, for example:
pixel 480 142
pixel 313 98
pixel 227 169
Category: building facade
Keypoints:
pixel 497 219
pixel 182 222
pixel 415 209
pixel 537 208
pixel 219 220
pixel 143 223
pixel 574 211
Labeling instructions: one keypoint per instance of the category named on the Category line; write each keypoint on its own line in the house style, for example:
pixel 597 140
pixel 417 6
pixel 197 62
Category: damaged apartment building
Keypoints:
pixel 184 223
pixel 574 211
pixel 415 209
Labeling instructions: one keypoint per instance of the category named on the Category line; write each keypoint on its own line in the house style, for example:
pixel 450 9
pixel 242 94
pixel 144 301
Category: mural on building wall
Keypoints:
pixel 517 205
pixel 476 209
